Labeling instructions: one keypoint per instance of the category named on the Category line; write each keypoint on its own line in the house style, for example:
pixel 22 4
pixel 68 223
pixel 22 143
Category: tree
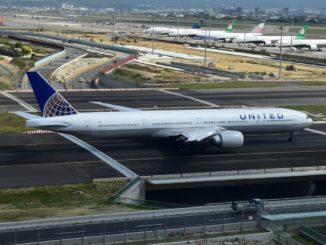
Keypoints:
pixel 26 50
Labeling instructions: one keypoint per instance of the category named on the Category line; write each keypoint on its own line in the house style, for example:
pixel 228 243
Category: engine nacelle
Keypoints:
pixel 313 47
pixel 268 43
pixel 229 139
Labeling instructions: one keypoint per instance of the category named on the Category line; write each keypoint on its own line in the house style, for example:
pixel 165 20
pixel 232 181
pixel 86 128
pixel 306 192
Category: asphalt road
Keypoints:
pixel 153 99
pixel 28 160
pixel 121 227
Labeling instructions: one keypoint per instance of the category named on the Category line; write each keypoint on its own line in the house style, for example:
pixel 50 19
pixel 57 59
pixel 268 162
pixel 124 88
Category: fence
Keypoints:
pixel 313 234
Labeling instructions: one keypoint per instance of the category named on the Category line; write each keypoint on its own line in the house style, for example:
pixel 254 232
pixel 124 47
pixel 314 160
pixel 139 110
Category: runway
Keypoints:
pixel 49 159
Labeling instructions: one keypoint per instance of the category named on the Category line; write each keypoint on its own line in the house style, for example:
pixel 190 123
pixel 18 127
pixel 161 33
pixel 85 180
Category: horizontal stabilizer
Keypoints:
pixel 115 107
pixel 27 115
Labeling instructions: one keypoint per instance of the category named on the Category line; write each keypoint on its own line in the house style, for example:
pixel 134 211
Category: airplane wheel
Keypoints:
pixel 291 140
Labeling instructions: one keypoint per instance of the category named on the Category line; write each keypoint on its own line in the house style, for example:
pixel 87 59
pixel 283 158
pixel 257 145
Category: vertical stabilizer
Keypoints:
pixel 231 26
pixel 50 101
pixel 302 33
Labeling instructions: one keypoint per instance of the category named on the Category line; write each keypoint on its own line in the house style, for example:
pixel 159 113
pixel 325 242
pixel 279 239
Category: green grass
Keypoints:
pixel 57 201
pixel 231 84
pixel 12 124
pixel 312 83
pixel 4 86
pixel 315 109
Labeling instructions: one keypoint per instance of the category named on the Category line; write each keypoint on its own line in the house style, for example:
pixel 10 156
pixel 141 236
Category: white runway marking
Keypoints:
pixel 315 131
pixel 99 154
pixel 19 101
pixel 190 97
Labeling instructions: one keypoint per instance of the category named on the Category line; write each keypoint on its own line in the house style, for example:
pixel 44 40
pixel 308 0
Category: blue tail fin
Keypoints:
pixel 198 25
pixel 51 103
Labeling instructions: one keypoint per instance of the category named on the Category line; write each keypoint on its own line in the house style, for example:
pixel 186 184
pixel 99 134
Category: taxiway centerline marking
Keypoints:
pixel 315 131
pixel 19 101
pixel 190 97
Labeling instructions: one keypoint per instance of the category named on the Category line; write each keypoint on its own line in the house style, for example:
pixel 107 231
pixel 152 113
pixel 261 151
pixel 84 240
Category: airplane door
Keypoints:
pixel 198 122
pixel 88 124
pixel 144 123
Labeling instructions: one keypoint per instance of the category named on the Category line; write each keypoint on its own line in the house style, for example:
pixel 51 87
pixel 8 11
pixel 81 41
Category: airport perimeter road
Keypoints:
pixel 71 54
pixel 24 159
pixel 166 223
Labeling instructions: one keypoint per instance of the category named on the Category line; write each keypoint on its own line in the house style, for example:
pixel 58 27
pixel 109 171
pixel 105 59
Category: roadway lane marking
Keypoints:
pixel 190 97
pixel 150 225
pixel 43 164
pixel 316 131
pixel 320 122
pixel 19 101
pixel 101 155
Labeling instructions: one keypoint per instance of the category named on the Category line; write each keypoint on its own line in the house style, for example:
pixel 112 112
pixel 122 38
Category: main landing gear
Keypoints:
pixel 291 138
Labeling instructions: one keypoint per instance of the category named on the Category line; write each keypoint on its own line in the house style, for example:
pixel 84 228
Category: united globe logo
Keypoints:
pixel 56 105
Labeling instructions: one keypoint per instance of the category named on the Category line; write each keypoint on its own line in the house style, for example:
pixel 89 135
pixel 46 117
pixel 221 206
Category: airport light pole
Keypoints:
pixel 205 59
pixel 153 34
pixel 245 32
pixel 178 32
pixel 281 54
pixel 210 27
pixel 292 34
pixel 129 22
pixel 113 29
pixel 83 32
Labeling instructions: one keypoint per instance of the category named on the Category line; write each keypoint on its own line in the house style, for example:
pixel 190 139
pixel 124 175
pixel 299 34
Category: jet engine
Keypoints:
pixel 229 139
pixel 268 43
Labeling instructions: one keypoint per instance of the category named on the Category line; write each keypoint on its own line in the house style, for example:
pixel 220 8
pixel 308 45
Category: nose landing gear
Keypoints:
pixel 291 138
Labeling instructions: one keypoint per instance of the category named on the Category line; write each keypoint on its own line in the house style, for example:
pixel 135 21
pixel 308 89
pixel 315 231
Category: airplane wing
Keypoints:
pixel 26 115
pixel 115 107
pixel 190 134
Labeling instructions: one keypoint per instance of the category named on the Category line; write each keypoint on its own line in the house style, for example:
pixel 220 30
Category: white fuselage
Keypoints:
pixel 165 123
pixel 310 43
pixel 229 36
pixel 267 40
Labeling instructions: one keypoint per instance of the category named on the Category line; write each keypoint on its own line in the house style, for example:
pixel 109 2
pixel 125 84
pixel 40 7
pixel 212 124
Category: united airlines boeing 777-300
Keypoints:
pixel 222 127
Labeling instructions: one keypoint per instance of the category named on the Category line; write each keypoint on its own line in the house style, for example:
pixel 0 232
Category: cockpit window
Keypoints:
pixel 307 117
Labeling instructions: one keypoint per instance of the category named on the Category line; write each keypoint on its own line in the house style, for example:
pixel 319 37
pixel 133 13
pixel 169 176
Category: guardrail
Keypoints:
pixel 48 58
pixel 234 172
pixel 71 40
pixel 313 234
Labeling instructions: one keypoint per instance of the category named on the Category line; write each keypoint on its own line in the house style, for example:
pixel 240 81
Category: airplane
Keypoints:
pixel 272 40
pixel 311 44
pixel 198 32
pixel 229 37
pixel 223 128
pixel 167 30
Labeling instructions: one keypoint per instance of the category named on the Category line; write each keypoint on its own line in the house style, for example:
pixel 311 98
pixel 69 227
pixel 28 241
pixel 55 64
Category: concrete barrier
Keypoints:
pixel 51 57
